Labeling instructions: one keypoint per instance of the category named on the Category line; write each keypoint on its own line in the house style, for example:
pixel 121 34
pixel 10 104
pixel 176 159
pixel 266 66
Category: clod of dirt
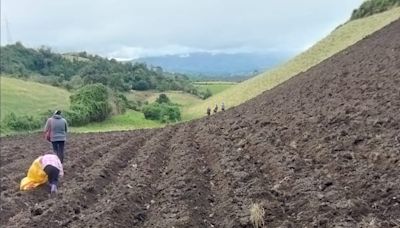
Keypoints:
pixel 141 216
pixel 36 211
pixel 77 210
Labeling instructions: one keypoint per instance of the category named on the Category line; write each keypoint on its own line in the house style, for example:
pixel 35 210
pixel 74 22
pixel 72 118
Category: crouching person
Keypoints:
pixel 46 168
pixel 52 166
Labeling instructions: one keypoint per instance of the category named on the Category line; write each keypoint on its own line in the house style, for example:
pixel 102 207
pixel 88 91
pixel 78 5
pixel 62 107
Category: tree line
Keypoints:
pixel 371 7
pixel 75 70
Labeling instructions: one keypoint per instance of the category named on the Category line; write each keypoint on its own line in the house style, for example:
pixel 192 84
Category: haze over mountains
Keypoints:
pixel 167 29
pixel 217 64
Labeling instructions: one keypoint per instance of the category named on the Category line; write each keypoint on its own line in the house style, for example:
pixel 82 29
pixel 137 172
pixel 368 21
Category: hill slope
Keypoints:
pixel 30 98
pixel 342 37
pixel 320 150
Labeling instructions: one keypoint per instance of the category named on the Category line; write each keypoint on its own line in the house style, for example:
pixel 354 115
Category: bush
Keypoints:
pixel 170 113
pixel 162 98
pixel 162 112
pixel 121 103
pixel 75 118
pixel 21 123
pixel 152 111
pixel 206 94
pixel 90 103
pixel 134 105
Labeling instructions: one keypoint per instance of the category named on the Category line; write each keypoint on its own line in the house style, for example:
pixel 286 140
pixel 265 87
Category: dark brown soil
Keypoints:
pixel 321 150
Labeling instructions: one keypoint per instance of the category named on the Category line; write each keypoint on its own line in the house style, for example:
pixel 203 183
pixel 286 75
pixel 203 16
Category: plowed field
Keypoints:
pixel 321 150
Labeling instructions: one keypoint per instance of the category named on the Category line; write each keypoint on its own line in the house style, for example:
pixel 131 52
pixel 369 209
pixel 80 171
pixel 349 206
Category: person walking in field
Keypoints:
pixel 208 111
pixel 223 106
pixel 216 109
pixel 56 132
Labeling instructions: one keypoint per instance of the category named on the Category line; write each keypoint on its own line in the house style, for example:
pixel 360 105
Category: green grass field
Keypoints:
pixel 128 121
pixel 214 87
pixel 31 98
pixel 341 38
pixel 184 100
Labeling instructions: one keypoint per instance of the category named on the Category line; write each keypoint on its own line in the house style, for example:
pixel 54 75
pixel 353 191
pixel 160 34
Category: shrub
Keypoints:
pixel 162 98
pixel 206 94
pixel 152 111
pixel 76 118
pixel 121 103
pixel 170 113
pixel 134 105
pixel 162 112
pixel 21 123
pixel 90 103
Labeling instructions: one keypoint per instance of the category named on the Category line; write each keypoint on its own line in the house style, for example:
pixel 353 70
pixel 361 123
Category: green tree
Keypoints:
pixel 162 98
pixel 141 85
pixel 90 103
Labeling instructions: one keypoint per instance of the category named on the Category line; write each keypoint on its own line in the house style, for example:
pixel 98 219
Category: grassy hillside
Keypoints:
pixel 344 36
pixel 26 97
pixel 214 87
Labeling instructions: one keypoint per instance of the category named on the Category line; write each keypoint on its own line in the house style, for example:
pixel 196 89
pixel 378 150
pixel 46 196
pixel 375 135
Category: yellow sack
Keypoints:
pixel 35 177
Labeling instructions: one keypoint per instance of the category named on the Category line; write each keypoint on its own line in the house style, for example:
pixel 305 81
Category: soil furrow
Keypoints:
pixel 126 201
pixel 13 196
pixel 91 181
pixel 183 195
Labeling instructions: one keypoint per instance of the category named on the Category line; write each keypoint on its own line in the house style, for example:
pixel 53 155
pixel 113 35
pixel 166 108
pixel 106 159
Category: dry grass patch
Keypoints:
pixel 257 215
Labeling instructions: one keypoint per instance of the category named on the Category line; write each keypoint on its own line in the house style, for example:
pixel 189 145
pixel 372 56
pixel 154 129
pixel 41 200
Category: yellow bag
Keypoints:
pixel 35 177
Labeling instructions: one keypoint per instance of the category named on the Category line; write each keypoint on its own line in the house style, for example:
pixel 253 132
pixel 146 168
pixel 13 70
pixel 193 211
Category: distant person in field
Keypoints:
pixel 216 109
pixel 56 132
pixel 208 111
pixel 223 106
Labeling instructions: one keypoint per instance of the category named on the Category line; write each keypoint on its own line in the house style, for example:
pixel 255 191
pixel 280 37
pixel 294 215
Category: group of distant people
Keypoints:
pixel 215 109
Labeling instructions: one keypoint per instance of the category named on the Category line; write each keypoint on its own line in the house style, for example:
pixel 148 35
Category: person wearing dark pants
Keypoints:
pixel 52 175
pixel 58 148
pixel 56 130
pixel 53 168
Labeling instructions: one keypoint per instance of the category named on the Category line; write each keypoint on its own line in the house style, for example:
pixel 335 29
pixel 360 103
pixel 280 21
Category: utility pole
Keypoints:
pixel 9 38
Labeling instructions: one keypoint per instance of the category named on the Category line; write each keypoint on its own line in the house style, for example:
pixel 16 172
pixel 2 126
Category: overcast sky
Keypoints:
pixel 133 28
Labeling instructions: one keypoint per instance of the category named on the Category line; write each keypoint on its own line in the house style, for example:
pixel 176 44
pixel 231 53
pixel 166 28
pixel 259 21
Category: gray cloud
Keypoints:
pixel 132 28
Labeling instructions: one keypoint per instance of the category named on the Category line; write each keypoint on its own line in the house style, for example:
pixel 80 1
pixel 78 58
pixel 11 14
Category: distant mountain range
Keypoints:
pixel 216 65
